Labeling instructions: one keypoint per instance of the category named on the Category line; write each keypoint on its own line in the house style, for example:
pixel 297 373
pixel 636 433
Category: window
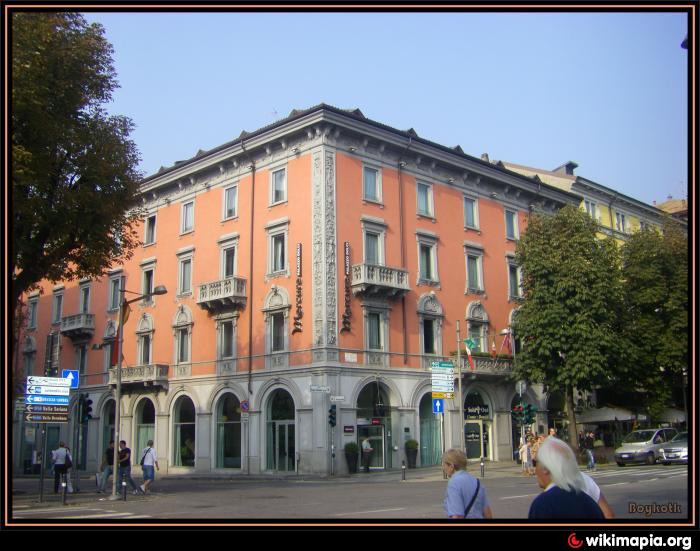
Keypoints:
pixel 145 346
pixel 226 344
pixel 187 217
pixel 144 334
pixel 278 332
pixel 425 199
pixel 478 323
pixel 147 285
pixel 514 281
pixel 278 191
pixel 427 259
pixel 277 257
pixel 592 209
pixel 511 225
pixel 227 340
pixel 185 276
pixel 33 309
pixel 84 299
pixel 183 349
pixel 115 283
pixel 374 331
pixel 471 214
pixel 620 222
pixel 371 184
pixel 81 359
pixel 229 262
pixel 57 307
pixel 474 273
pixel 428 336
pixel 372 248
pixel 230 202
pixel 430 319
pixel 150 236
pixel 279 262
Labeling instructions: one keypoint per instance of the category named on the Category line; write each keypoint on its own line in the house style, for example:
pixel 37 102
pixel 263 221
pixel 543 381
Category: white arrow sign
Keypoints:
pixel 318 388
pixel 48 381
pixel 49 390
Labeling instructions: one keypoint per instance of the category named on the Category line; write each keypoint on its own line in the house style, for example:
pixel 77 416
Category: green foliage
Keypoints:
pixel 569 319
pixel 74 176
pixel 352 448
pixel 655 267
pixel 411 444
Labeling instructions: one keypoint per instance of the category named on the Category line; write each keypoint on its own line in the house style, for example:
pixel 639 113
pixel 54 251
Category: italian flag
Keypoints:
pixel 469 355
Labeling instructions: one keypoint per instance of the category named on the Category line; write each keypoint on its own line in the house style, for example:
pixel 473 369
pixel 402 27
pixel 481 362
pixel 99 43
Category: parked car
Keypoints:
pixel 675 451
pixel 643 446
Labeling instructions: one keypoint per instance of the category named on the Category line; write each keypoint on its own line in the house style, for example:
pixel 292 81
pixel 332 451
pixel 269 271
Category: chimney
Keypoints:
pixel 485 157
pixel 669 197
pixel 566 168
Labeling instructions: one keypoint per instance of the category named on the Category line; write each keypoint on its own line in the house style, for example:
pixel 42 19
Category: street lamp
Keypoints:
pixel 159 290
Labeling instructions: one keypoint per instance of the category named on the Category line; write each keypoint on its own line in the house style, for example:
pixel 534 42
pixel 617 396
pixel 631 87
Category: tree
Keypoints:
pixel 655 268
pixel 569 319
pixel 74 175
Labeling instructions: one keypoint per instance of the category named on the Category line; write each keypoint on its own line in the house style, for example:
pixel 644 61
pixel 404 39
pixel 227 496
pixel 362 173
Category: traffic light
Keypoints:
pixel 85 408
pixel 331 416
pixel 529 412
pixel 518 413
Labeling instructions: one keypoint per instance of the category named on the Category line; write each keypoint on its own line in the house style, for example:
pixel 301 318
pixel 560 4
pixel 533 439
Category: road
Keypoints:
pixel 370 497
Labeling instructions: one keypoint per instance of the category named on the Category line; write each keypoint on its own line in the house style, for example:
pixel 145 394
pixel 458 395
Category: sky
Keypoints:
pixel 608 91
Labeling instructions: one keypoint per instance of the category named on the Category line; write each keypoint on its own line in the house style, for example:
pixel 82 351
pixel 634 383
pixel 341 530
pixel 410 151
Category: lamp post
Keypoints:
pixel 159 290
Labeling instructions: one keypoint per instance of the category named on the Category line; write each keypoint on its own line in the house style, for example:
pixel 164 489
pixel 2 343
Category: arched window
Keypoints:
pixel 478 325
pixel 228 433
pixel 144 333
pixel 281 432
pixel 276 313
pixel 145 426
pixel 184 433
pixel 430 318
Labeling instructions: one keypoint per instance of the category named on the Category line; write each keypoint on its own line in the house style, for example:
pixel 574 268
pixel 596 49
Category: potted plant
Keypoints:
pixel 411 447
pixel 351 453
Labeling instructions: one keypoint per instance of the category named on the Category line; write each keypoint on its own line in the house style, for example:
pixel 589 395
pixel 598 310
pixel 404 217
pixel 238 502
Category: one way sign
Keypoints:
pixel 438 405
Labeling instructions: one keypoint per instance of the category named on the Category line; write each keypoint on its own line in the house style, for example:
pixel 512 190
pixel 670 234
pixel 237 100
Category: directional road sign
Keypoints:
pixel 40 408
pixel 447 395
pixel 48 381
pixel 318 388
pixel 49 390
pixel 45 418
pixel 58 400
pixel 73 375
pixel 337 398
pixel 442 365
pixel 438 405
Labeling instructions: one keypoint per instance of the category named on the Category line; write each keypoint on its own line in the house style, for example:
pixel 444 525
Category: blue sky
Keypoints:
pixel 606 90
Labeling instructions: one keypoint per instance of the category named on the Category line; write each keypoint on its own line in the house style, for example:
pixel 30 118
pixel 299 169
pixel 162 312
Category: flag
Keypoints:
pixel 126 310
pixel 506 343
pixel 469 357
pixel 493 347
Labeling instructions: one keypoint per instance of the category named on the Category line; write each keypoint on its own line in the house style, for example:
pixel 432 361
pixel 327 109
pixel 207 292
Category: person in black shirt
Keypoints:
pixel 125 467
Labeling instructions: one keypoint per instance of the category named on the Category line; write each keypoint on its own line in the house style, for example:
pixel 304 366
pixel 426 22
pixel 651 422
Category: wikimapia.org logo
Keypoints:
pixel 605 540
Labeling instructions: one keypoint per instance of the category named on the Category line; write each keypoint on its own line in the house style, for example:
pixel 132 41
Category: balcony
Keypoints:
pixel 142 375
pixel 79 326
pixel 487 366
pixel 382 281
pixel 225 294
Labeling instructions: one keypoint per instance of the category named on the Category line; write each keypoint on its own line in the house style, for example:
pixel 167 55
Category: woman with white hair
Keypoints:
pixel 564 495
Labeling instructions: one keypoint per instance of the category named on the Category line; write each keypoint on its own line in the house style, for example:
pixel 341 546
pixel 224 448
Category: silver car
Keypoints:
pixel 676 451
pixel 643 446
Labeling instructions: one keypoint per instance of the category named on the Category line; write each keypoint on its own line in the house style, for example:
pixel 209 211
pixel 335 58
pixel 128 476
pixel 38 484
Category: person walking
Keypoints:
pixel 589 444
pixel 564 495
pixel 367 450
pixel 125 467
pixel 465 497
pixel 106 467
pixel 61 461
pixel 148 460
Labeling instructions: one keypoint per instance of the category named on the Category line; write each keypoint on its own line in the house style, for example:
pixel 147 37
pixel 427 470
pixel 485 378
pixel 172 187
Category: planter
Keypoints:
pixel 411 457
pixel 351 460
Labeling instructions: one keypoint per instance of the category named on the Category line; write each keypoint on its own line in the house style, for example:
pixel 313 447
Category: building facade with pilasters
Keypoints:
pixel 324 259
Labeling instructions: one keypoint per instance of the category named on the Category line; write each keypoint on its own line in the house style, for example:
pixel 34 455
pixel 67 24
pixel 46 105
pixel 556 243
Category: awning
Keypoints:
pixel 605 414
pixel 672 416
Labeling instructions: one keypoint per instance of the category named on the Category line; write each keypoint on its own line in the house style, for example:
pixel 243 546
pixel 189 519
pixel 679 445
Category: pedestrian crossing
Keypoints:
pixel 72 513
pixel 646 472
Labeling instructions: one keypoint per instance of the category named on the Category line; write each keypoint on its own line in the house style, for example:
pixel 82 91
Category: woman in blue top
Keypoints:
pixel 465 496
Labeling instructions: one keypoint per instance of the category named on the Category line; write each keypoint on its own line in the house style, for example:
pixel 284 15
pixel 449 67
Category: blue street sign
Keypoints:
pixel 38 399
pixel 73 375
pixel 438 405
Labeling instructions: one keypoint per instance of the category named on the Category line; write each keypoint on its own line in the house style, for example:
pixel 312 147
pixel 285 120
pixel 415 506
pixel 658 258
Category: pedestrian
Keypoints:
pixel 106 468
pixel 125 467
pixel 552 432
pixel 593 490
pixel 61 461
pixel 366 453
pixel 526 457
pixel 564 495
pixel 465 496
pixel 148 460
pixel 589 444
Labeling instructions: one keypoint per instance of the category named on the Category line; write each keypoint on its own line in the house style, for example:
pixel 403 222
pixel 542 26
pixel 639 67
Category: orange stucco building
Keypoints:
pixel 324 260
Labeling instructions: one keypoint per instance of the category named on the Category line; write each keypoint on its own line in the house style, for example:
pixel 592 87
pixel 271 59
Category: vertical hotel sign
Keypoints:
pixel 300 312
pixel 348 312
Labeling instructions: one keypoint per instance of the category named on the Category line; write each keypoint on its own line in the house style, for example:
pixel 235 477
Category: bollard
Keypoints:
pixel 64 487
pixel 403 471
pixel 482 467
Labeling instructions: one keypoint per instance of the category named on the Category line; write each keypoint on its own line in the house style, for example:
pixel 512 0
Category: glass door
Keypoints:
pixel 281 446
pixel 375 433
pixel 473 438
